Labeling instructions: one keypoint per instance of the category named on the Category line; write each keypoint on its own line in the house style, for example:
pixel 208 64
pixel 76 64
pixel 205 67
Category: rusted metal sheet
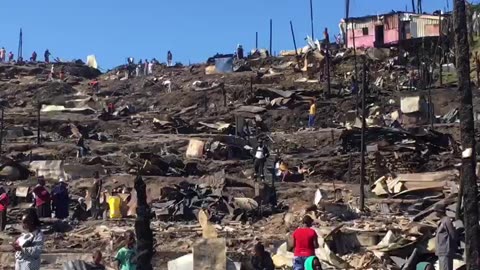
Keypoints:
pixel 391 22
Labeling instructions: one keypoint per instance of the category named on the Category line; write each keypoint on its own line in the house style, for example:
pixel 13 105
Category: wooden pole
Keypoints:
pixel 271 36
pixel 38 123
pixel 311 20
pixel 347 16
pixel 362 150
pixel 293 37
pixel 440 41
pixel 256 40
pixel 467 132
pixel 355 82
pixel 327 54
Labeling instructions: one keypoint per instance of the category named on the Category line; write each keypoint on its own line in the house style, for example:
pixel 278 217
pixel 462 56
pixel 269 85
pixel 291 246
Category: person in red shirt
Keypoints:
pixel 4 201
pixel 304 241
pixel 42 199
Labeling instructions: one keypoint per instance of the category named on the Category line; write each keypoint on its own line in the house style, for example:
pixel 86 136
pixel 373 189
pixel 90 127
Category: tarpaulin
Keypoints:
pixel 92 61
pixel 224 65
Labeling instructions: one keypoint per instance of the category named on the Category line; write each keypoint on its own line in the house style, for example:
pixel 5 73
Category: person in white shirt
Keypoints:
pixel 261 155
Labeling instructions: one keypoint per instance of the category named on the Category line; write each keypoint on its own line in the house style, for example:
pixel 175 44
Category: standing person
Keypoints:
pixel 261 155
pixel 60 199
pixel 52 73
pixel 46 55
pixel 125 256
pixel 169 58
pixel 150 68
pixel 3 53
pixel 445 239
pixel 145 68
pixel 261 260
pixel 82 150
pixel 304 241
pixel 34 57
pixel 95 195
pixel 10 57
pixel 311 114
pixel 239 52
pixel 4 201
pixel 29 246
pixel 42 199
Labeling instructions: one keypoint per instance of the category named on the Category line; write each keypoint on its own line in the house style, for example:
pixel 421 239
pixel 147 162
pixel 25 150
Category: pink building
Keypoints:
pixel 390 29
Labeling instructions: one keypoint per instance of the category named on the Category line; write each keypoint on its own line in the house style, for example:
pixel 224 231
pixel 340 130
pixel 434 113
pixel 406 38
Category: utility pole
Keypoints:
pixel 311 20
pixel 20 47
pixel 327 54
pixel 256 40
pixel 355 80
pixel 271 36
pixel 293 37
pixel 413 6
pixel 440 42
pixel 419 6
pixel 467 131
pixel 362 144
pixel 347 16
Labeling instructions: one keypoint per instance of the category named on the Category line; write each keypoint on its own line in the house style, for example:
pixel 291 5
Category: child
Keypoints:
pixel 126 255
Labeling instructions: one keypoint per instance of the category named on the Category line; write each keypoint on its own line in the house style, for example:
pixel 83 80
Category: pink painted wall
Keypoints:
pixel 361 40
pixel 391 36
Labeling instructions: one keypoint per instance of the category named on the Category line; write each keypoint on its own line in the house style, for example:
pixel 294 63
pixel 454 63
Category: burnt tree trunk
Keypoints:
pixel 470 22
pixel 142 227
pixel 467 130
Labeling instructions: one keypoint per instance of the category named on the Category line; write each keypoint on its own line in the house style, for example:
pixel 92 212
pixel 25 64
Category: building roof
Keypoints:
pixel 391 13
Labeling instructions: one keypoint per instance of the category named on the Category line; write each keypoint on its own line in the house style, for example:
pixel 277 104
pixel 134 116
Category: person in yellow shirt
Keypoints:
pixel 311 114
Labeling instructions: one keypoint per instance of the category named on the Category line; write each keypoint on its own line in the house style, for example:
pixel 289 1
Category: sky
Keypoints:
pixel 193 30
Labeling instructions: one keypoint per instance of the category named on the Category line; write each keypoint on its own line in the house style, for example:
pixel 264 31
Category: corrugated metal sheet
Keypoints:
pixel 391 22
pixel 423 26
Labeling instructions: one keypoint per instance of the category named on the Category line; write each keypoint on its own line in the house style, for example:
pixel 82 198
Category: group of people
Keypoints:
pixel 3 56
pixel 145 67
pixel 11 56
pixel 304 241
pixel 45 202
pixel 29 246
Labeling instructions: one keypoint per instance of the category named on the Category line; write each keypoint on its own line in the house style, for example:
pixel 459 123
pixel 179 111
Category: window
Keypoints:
pixel 365 31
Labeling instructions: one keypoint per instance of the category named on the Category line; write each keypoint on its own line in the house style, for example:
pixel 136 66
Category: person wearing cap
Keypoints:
pixel 60 199
pixel 42 199
pixel 445 239
pixel 80 211
pixel 4 201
